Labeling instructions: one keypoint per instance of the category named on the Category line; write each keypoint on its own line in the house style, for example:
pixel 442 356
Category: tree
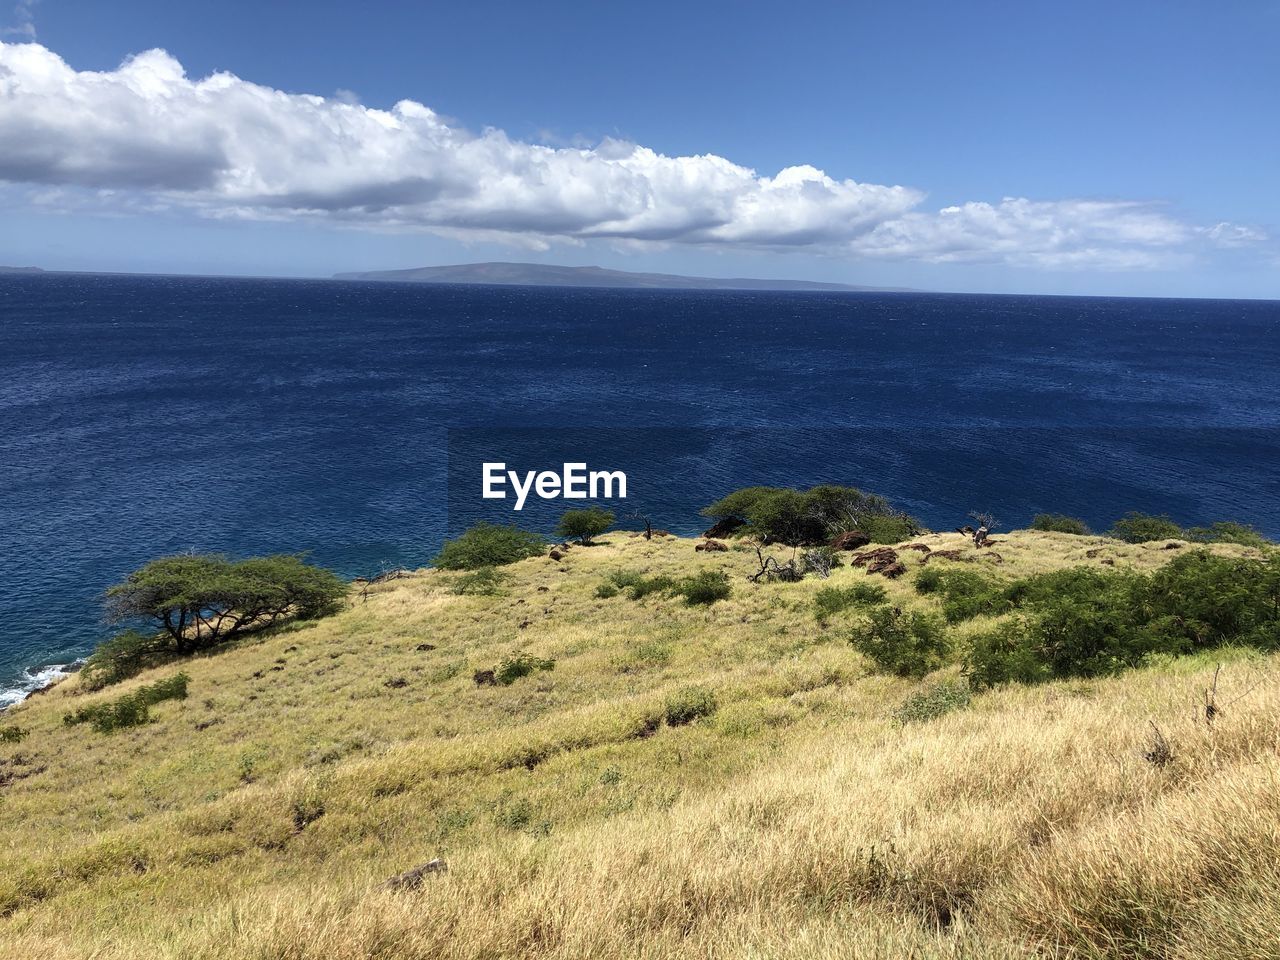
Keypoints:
pixel 811 517
pixel 583 525
pixel 197 600
pixel 488 545
pixel 1136 527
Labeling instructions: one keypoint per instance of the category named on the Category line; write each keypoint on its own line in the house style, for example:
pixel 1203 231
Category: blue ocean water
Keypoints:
pixel 147 415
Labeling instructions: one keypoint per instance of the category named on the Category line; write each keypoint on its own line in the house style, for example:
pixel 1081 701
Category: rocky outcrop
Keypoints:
pixel 413 879
pixel 724 527
pixel 850 540
pixel 711 546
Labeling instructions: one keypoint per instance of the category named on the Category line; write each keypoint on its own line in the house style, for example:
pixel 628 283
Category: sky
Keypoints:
pixel 1028 147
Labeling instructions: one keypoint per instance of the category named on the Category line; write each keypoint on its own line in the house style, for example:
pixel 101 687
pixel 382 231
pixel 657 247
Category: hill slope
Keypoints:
pixel 792 816
pixel 552 275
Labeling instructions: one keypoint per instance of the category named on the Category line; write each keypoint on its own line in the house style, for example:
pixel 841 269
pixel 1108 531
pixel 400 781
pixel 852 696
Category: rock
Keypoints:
pixel 662 533
pixel 397 574
pixel 957 555
pixel 711 546
pixel 1093 553
pixel 525 623
pixel 484 678
pixel 869 557
pixel 1172 546
pixel 555 554
pixel 412 879
pixel 1108 561
pixel 396 683
pixel 923 548
pixel 890 567
pixel 850 540
pixel 543 589
pixel 425 647
pixel 993 557
pixel 723 528
pixel 966 530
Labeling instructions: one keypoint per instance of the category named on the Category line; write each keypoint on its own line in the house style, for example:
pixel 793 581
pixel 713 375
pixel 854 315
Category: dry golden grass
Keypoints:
pixel 258 818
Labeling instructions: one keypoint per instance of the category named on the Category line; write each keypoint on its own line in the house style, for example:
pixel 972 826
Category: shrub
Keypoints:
pixel 131 710
pixel 891 528
pixel 933 701
pixel 1228 532
pixel 820 560
pixel 198 600
pixel 1136 527
pixel 928 580
pixel 705 588
pixel 1200 600
pixel 521 665
pixel 688 704
pixel 811 517
pixel 644 586
pixel 123 656
pixel 829 601
pixel 13 733
pixel 488 545
pixel 583 525
pixel 905 644
pixel 485 582
pixel 965 593
pixel 606 590
pixel 1058 523
pixel 1005 654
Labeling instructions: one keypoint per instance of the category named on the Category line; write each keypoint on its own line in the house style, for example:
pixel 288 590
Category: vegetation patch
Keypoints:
pixel 688 704
pixel 1060 523
pixel 131 710
pixel 584 525
pixel 485 582
pixel 12 733
pixel 521 665
pixel 829 601
pixel 932 701
pixel 905 644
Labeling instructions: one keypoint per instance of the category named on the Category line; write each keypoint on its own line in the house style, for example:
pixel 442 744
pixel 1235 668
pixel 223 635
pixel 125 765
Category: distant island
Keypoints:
pixel 553 275
pixel 4 269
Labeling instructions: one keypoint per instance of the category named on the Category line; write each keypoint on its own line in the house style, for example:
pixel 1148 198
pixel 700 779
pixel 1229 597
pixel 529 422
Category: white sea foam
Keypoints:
pixel 35 678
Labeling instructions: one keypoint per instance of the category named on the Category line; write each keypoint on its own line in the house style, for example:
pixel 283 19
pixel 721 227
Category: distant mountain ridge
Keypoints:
pixel 553 275
pixel 4 269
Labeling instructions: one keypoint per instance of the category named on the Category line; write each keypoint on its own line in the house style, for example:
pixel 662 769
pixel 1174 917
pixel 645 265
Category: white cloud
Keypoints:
pixel 24 20
pixel 1231 235
pixel 145 136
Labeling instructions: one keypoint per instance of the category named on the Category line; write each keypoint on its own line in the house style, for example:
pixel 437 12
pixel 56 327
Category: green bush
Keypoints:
pixel 123 656
pixel 521 665
pixel 485 582
pixel 13 733
pixel 198 600
pixel 705 588
pixel 811 517
pixel 1059 523
pixel 965 593
pixel 1200 600
pixel 891 528
pixel 905 644
pixel 688 704
pixel 1228 532
pixel 829 601
pixel 584 525
pixel 488 545
pixel 933 701
pixel 928 580
pixel 1005 654
pixel 644 586
pixel 606 590
pixel 1136 527
pixel 131 710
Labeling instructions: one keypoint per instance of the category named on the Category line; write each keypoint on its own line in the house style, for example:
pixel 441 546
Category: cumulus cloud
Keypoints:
pixel 146 134
pixel 24 20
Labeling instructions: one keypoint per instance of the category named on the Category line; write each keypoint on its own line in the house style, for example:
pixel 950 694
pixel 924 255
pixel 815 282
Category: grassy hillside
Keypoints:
pixel 728 780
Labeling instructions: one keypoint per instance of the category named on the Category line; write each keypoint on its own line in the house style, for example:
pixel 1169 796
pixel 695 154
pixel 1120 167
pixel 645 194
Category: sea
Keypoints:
pixel 144 416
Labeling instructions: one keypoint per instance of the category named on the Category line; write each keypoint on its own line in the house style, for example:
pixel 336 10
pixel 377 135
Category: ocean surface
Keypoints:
pixel 141 416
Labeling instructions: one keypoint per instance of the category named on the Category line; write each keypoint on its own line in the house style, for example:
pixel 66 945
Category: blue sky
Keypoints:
pixel 1137 141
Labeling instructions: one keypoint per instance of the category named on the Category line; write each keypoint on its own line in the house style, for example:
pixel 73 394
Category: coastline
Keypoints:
pixel 36 680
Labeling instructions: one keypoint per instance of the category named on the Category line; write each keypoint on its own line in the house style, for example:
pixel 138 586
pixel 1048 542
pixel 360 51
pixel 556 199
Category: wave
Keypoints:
pixel 36 678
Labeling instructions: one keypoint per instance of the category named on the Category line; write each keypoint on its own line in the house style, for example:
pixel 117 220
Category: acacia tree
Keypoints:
pixel 583 525
pixel 198 600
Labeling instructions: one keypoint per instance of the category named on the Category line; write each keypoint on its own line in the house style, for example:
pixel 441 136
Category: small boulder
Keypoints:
pixel 485 678
pixel 425 647
pixel 869 557
pixel 556 555
pixel 395 683
pixel 943 555
pixel 711 546
pixel 850 540
pixel 922 548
